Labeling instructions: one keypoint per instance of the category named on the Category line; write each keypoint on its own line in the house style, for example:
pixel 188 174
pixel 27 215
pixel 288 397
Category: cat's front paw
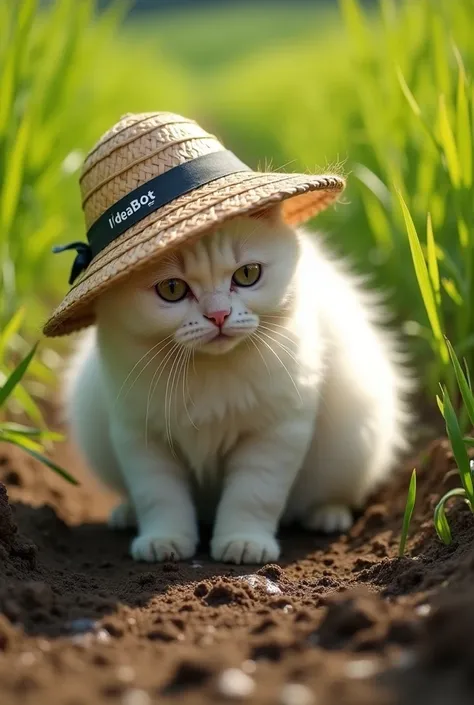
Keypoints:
pixel 122 516
pixel 329 519
pixel 155 549
pixel 257 549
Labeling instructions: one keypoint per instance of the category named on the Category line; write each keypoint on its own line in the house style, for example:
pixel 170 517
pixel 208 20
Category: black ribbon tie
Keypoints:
pixel 82 260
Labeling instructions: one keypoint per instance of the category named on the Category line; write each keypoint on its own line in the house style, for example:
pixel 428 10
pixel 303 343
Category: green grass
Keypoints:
pixel 206 39
pixel 409 507
pixel 31 440
pixel 459 445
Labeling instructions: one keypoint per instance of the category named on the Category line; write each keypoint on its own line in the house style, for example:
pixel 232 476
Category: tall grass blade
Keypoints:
pixel 37 433
pixel 7 90
pixel 463 129
pixel 410 504
pixel 441 63
pixel 459 449
pixel 11 188
pixel 16 376
pixel 10 330
pixel 27 403
pixel 440 405
pixel 450 288
pixel 432 261
pixel 378 221
pixel 440 521
pixel 20 439
pixel 410 98
pixel 46 461
pixel 448 144
pixel 424 281
pixel 354 19
pixel 463 384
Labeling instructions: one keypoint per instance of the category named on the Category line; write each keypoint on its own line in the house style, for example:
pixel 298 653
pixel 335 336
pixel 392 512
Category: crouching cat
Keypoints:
pixel 245 380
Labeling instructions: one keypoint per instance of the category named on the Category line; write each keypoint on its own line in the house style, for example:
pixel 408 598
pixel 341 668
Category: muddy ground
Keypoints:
pixel 340 621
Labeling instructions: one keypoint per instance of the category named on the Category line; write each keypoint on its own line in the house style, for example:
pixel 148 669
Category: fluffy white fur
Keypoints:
pixel 295 414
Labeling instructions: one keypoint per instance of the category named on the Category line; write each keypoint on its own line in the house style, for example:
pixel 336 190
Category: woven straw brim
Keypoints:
pixel 184 219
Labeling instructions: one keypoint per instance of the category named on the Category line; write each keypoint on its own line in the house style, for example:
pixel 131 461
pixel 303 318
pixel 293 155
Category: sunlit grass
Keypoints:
pixel 30 439
pixel 409 507
pixel 206 39
pixel 459 444
pixel 422 152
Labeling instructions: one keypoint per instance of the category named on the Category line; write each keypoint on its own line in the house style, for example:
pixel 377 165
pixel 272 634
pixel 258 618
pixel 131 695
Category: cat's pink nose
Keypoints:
pixel 218 317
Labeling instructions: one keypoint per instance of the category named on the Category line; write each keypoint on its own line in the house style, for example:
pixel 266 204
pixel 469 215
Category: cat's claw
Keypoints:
pixel 155 549
pixel 122 516
pixel 252 550
pixel 329 519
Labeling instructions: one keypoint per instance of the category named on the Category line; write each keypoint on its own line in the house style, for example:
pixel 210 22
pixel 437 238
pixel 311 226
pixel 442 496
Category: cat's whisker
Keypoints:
pixel 276 325
pixel 152 388
pixel 278 322
pixel 287 350
pixel 168 395
pixel 258 336
pixel 285 347
pixel 169 354
pixel 277 332
pixel 185 386
pixel 162 344
pixel 165 404
pixel 162 347
pixel 179 371
pixel 153 384
pixel 282 316
pixel 175 367
pixel 250 339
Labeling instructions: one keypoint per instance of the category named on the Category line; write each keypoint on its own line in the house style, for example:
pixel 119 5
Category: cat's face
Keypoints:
pixel 210 295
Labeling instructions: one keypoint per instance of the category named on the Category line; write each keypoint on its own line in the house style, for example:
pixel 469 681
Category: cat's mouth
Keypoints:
pixel 222 342
pixel 233 334
pixel 219 338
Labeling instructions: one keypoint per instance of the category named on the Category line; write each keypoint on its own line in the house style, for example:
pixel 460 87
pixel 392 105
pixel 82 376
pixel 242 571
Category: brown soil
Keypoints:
pixel 341 621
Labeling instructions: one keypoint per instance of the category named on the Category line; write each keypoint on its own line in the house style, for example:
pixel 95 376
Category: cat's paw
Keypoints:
pixel 329 519
pixel 155 549
pixel 253 550
pixel 122 516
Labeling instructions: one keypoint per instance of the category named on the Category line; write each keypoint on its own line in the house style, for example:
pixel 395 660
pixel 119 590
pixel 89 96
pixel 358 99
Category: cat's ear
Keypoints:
pixel 273 215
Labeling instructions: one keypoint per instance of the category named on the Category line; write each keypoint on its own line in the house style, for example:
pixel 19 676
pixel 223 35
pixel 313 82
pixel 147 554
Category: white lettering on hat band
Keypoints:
pixel 147 200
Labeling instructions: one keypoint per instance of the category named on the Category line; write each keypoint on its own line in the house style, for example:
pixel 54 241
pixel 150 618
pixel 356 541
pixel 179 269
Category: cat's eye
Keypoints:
pixel 172 290
pixel 248 275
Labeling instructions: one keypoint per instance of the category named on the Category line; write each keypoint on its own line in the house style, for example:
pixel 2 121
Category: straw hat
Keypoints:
pixel 155 181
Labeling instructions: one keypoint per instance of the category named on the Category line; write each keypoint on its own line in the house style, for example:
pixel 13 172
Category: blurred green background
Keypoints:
pixel 381 88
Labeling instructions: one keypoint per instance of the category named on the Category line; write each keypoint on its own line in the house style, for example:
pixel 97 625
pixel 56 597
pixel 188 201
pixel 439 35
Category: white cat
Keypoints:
pixel 244 380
